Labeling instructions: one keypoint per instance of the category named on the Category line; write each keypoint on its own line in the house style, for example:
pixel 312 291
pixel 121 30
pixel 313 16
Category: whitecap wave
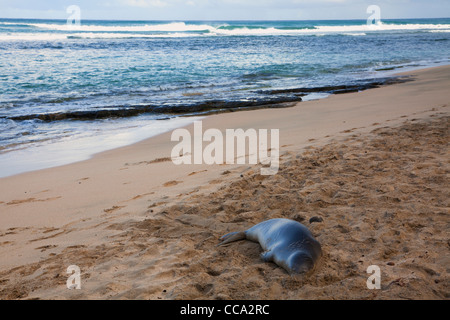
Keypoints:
pixel 354 30
pixel 355 34
pixel 168 27
pixel 381 27
pixel 87 35
pixel 181 29
pixel 443 30
pixel 32 37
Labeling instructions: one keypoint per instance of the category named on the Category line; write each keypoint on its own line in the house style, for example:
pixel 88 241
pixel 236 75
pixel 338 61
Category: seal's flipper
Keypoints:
pixel 232 237
pixel 267 256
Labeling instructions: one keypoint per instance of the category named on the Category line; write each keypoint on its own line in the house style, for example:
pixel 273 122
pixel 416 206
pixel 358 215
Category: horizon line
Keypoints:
pixel 219 20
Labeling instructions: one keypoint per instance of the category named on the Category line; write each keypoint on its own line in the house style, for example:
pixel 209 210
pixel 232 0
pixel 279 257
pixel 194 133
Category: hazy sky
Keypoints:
pixel 224 9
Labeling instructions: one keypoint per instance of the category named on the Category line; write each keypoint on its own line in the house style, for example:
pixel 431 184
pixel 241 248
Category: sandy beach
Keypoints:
pixel 370 167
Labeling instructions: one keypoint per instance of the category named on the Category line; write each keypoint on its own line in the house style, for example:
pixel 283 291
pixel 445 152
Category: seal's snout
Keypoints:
pixel 301 262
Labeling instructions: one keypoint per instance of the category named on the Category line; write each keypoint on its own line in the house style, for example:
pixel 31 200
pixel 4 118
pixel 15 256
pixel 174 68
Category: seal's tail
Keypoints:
pixel 232 237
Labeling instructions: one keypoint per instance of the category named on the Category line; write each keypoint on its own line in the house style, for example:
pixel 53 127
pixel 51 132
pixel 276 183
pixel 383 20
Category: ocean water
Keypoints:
pixel 67 92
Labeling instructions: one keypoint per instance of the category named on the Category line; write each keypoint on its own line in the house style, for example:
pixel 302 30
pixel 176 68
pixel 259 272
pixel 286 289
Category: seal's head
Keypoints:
pixel 300 262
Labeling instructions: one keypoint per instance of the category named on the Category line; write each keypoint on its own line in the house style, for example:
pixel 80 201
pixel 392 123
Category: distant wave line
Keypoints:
pixel 225 29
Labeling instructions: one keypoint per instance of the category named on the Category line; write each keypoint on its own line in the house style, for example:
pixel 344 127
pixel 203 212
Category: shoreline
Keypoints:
pixel 121 200
pixel 63 155
pixel 67 151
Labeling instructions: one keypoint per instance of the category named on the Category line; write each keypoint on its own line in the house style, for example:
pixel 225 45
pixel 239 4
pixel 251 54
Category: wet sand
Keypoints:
pixel 370 169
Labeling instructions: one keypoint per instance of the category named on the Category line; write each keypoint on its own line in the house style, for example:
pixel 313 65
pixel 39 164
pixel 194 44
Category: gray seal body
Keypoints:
pixel 285 242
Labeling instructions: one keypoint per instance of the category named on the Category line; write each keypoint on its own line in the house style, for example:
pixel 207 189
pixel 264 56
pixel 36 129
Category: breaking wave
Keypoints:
pixel 55 31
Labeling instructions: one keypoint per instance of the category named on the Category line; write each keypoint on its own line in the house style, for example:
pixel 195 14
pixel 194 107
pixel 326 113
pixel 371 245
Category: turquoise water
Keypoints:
pixel 103 70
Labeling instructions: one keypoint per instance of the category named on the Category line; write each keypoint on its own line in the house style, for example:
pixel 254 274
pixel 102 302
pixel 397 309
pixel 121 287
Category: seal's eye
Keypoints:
pixel 301 262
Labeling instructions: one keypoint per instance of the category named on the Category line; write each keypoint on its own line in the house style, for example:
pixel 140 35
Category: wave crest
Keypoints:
pixel 54 31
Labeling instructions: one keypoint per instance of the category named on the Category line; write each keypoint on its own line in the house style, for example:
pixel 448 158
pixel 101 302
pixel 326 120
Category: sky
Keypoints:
pixel 224 9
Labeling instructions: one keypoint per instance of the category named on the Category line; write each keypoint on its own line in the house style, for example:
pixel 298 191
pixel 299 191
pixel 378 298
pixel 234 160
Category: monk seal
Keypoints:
pixel 286 242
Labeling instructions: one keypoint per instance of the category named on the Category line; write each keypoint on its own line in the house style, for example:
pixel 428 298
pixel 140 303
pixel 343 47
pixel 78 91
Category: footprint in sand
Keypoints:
pixel 79 246
pixel 49 237
pixel 43 191
pixel 158 160
pixel 82 179
pixel 45 248
pixel 48 230
pixel 11 231
pixel 196 172
pixel 15 202
pixel 142 195
pixel 138 197
pixel 172 183
pixel 114 208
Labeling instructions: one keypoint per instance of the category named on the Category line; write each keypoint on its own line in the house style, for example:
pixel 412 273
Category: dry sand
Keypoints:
pixel 373 166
